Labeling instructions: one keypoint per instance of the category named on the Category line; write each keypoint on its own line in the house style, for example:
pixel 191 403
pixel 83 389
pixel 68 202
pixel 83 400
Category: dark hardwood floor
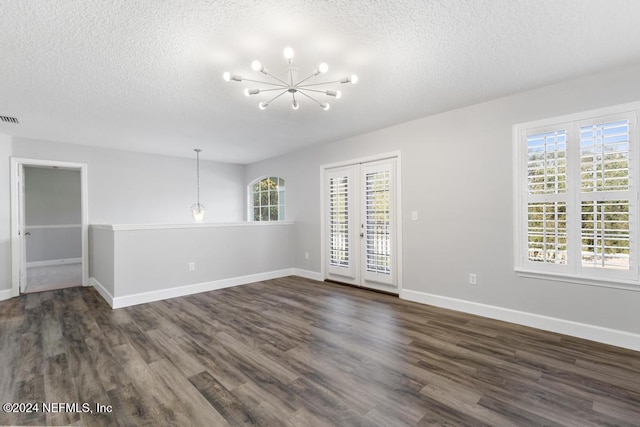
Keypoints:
pixel 297 352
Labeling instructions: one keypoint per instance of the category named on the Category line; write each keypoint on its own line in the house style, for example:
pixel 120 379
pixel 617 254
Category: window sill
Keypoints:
pixel 625 284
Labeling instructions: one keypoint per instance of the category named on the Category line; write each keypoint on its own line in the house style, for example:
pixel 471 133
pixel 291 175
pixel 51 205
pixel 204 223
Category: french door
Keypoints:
pixel 361 227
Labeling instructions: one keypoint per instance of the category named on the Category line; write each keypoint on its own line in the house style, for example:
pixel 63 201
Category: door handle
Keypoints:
pixel 28 233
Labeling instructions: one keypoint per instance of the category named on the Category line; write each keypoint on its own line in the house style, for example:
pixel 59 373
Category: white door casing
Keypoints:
pixel 18 247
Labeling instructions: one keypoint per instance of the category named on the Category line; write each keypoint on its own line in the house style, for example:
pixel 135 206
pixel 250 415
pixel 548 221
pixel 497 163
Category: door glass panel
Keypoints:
pixel 378 222
pixel 339 222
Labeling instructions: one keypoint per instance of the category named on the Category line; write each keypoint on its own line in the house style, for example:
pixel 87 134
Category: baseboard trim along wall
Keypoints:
pixel 307 274
pixel 104 293
pixel 51 262
pixel 566 327
pixel 5 294
pixel 141 298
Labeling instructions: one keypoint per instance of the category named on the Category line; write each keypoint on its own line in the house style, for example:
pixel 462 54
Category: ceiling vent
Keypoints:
pixel 8 119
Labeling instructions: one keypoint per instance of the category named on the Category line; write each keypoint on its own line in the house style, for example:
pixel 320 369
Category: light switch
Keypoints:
pixel 414 215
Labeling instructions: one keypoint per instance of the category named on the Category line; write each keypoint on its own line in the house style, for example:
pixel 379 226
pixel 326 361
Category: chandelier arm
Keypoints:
pixel 275 88
pixel 312 90
pixel 291 71
pixel 305 79
pixel 266 83
pixel 274 77
pixel 311 98
pixel 318 84
pixel 277 96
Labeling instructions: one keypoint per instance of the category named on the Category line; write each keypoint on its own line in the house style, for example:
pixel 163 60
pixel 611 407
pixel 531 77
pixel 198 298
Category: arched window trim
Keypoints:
pixel 263 207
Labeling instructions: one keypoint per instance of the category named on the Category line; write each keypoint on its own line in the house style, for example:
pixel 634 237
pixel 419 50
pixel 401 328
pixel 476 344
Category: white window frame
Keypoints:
pixel 573 271
pixel 250 204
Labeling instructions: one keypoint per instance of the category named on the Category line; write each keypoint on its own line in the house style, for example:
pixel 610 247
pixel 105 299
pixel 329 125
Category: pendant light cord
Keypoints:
pixel 197 150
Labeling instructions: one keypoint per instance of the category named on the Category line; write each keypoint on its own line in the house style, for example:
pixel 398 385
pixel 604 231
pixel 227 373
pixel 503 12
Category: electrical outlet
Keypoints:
pixel 414 215
pixel 192 266
pixel 473 279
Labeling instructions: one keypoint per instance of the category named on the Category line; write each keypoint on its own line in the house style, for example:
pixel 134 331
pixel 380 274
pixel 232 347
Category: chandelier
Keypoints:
pixel 290 84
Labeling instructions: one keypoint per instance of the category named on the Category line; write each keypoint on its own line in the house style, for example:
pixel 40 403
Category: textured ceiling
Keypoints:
pixel 146 75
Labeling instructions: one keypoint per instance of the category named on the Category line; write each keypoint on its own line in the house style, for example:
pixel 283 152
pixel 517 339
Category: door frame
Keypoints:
pixel 324 204
pixel 18 257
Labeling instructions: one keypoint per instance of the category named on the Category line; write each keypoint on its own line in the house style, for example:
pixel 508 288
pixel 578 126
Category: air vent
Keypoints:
pixel 8 119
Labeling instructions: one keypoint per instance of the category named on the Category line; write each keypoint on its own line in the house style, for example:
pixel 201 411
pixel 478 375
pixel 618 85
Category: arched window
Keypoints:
pixel 267 199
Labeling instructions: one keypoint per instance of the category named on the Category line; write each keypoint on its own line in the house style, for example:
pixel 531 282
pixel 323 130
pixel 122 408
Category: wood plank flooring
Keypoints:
pixel 296 352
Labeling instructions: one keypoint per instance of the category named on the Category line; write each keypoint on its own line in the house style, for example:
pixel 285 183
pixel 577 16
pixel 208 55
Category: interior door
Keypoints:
pixel 361 224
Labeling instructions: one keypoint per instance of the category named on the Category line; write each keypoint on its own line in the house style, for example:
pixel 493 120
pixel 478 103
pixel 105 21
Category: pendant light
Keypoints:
pixel 198 209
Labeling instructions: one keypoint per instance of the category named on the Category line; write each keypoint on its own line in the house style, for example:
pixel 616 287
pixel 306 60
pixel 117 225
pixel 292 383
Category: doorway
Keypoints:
pixel 49 225
pixel 362 223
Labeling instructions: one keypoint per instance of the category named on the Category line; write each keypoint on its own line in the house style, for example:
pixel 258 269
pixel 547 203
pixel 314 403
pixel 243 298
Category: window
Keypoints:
pixel 267 199
pixel 577 197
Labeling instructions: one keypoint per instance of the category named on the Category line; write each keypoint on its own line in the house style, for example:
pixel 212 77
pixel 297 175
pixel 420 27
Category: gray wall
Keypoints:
pixel 126 187
pixel 5 214
pixel 466 209
pixel 52 198
pixel 102 257
pixel 137 188
pixel 154 260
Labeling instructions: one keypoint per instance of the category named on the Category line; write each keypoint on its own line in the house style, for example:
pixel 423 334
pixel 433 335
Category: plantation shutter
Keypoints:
pixel 546 231
pixel 580 203
pixel 605 196
pixel 341 223
pixel 378 221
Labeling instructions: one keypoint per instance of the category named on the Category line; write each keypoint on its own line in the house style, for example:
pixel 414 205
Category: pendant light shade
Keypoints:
pixel 198 212
pixel 198 209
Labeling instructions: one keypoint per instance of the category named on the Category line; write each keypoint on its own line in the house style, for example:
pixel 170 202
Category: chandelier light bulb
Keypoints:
pixel 262 105
pixel 338 94
pixel 323 67
pixel 256 66
pixel 354 79
pixel 246 92
pixel 295 105
pixel 226 76
pixel 325 106
pixel 288 53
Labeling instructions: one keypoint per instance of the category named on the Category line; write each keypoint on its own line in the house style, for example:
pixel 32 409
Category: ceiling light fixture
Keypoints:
pixel 198 209
pixel 292 86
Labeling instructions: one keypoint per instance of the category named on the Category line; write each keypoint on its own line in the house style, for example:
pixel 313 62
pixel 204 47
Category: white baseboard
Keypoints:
pixel 567 327
pixel 101 290
pixel 6 294
pixel 51 262
pixel 307 274
pixel 179 291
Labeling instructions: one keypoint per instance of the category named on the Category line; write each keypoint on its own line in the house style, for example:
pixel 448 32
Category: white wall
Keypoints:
pixel 5 215
pixel 137 188
pixel 457 173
